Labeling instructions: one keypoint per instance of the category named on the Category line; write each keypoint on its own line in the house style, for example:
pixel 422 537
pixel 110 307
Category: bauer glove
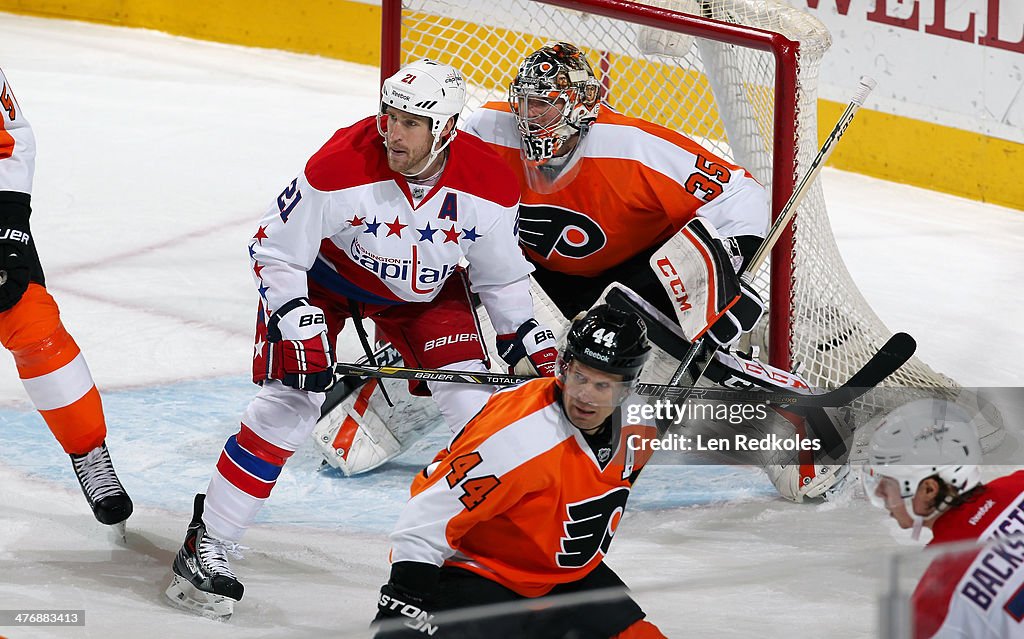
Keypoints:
pixel 299 350
pixel 16 253
pixel 531 350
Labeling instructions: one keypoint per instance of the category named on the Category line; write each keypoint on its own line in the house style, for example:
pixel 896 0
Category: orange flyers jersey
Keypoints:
pixel 519 497
pixel 638 184
pixel 17 143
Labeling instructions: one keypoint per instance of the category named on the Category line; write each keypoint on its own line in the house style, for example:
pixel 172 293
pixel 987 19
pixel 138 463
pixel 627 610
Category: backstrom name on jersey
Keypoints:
pixel 994 567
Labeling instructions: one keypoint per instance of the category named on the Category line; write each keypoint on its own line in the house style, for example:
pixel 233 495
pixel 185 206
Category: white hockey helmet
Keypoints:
pixel 924 438
pixel 428 89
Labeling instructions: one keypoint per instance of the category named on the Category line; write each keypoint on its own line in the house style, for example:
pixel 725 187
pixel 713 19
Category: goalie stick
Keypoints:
pixel 698 357
pixel 897 350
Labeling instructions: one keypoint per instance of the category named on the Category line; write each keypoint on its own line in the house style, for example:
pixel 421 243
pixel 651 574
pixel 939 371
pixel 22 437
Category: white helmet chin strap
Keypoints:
pixel 919 520
pixel 433 154
pixel 915 532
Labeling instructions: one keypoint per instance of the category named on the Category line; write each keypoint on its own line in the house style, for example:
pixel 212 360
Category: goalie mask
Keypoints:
pixel 610 341
pixel 429 89
pixel 923 439
pixel 555 99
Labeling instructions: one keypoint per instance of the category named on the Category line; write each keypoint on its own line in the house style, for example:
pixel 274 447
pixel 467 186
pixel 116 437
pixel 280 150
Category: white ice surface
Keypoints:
pixel 156 157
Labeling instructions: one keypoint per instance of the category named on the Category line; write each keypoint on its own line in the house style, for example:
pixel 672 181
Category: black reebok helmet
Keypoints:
pixel 609 340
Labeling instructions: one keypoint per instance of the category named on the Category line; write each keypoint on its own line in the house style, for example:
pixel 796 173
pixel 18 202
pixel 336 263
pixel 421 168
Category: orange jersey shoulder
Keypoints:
pixel 637 184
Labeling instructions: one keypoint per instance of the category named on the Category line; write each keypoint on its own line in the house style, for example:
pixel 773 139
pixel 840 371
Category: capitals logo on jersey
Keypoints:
pixel 421 278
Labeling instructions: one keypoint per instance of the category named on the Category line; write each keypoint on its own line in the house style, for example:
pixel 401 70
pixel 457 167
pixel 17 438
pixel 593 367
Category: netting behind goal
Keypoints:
pixel 741 77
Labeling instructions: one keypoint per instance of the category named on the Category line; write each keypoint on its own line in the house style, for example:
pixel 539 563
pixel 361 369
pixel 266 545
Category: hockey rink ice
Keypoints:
pixel 156 157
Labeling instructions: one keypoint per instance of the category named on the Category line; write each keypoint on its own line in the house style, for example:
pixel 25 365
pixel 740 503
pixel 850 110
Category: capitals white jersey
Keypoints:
pixel 17 143
pixel 972 594
pixel 349 223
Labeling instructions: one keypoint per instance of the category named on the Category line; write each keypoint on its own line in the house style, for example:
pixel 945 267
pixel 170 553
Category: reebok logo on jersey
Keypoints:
pixel 987 506
pixel 424 279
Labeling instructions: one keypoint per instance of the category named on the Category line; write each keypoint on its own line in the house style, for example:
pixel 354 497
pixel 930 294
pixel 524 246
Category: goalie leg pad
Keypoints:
pixel 363 432
pixel 797 482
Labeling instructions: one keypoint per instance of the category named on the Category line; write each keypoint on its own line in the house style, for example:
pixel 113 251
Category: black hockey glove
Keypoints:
pixel 740 318
pixel 748 309
pixel 16 254
pixel 406 596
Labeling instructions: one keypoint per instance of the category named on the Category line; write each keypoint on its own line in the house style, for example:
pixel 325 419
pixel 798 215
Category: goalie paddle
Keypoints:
pixel 896 351
pixel 666 335
pixel 887 360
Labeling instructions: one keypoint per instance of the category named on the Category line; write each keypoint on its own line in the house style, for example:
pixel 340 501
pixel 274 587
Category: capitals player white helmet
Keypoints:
pixel 429 89
pixel 922 439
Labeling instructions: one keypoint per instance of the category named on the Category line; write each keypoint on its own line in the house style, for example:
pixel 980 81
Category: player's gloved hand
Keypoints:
pixel 740 318
pixel 299 350
pixel 405 597
pixel 531 350
pixel 15 261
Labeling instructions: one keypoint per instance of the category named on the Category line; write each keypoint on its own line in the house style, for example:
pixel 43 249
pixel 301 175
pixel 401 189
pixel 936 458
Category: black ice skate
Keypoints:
pixel 202 581
pixel 106 496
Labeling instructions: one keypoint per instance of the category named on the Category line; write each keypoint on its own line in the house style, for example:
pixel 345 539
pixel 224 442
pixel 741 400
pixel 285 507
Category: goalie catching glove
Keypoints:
pixel 531 350
pixel 299 351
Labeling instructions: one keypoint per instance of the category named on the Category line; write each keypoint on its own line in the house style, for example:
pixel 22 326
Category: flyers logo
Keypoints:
pixel 553 229
pixel 590 528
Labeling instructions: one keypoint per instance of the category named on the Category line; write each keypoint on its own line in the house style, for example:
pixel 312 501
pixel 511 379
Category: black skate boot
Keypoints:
pixel 106 496
pixel 202 581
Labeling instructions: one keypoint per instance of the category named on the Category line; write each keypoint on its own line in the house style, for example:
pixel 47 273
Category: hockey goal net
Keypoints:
pixel 739 76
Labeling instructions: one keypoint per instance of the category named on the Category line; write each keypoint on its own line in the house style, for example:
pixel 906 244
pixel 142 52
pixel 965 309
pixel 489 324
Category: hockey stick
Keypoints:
pixel 347 384
pixel 891 356
pixel 699 356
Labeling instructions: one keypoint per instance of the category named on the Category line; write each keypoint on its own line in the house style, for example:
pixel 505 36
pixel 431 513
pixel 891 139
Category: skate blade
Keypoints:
pixel 184 595
pixel 118 533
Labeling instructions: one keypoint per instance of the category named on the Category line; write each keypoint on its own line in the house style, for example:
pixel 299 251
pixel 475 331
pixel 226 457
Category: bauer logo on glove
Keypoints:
pixel 531 350
pixel 299 352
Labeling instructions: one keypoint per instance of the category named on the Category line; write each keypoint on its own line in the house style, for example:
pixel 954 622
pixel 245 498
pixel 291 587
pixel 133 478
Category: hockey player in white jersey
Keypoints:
pixel 923 468
pixel 374 227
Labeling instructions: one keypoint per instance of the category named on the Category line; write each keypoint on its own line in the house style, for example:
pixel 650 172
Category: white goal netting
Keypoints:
pixel 721 91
